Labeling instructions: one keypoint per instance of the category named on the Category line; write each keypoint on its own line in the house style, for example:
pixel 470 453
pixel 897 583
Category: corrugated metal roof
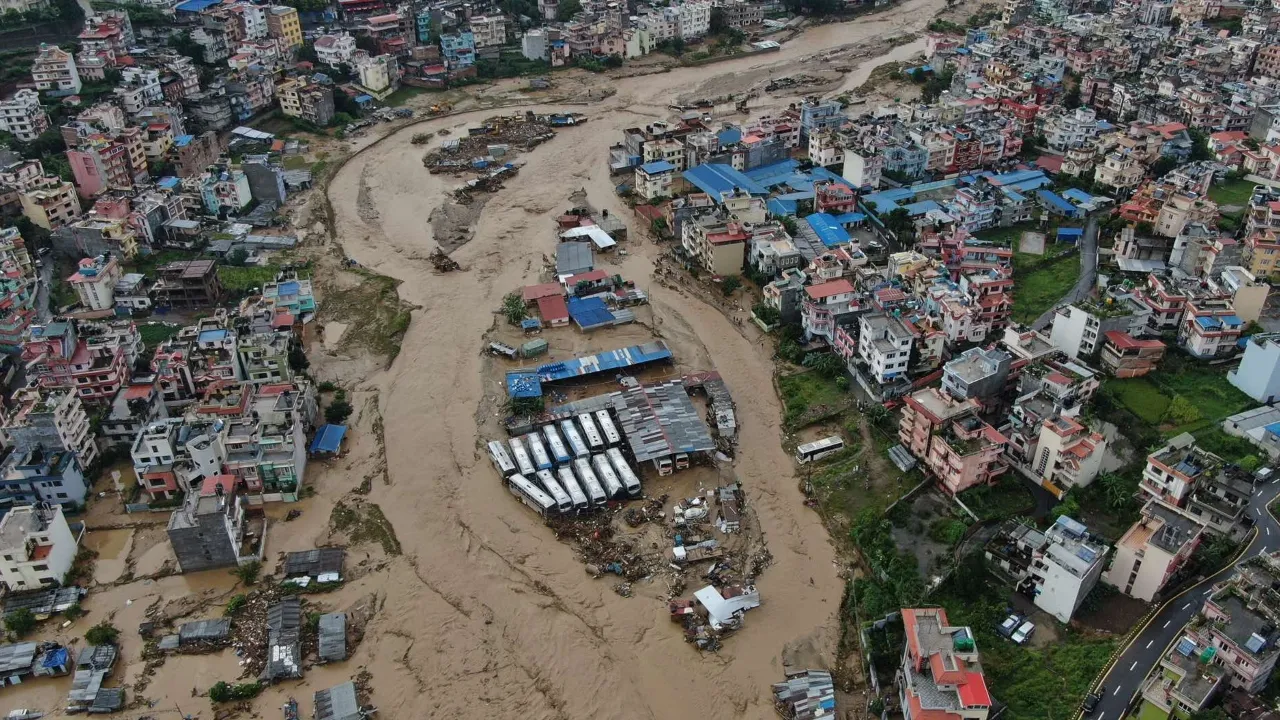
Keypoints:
pixel 16 658
pixel 660 420
pixel 314 562
pixel 199 630
pixel 333 636
pixel 338 703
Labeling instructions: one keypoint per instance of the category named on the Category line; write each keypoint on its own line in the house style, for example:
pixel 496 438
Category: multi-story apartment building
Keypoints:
pixel 941 677
pixel 827 306
pixel 1199 484
pixel 378 74
pixel 1258 374
pixel 1065 129
pixel 224 190
pixel 739 14
pixel 133 408
pixel 96 235
pixel 1152 551
pixel 54 70
pixel 94 359
pixel 1066 455
pixel 489 30
pixel 334 50
pixel 1125 356
pixel 50 202
pixel 208 531
pixel 306 100
pixel 718 245
pixel 283 25
pixel 884 346
pixel 102 163
pixel 1262 252
pixel 37 548
pixel 187 284
pixel 957 448
pixel 1056 568
pixel 35 475
pixel 977 374
pixel 53 420
pixel 1209 328
pixel 1078 329
pixel 22 116
pixel 95 281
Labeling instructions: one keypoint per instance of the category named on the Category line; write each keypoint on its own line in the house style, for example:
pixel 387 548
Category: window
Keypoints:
pixel 39 568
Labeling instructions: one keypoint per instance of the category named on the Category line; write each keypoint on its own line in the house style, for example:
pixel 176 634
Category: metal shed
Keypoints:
pixel 333 636
pixel 316 562
pixel 573 258
pixel 204 630
pixel 338 703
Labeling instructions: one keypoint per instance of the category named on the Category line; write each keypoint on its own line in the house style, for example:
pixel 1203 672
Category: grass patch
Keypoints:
pixel 375 316
pixel 404 95
pixel 1141 397
pixel 1233 192
pixel 155 333
pixel 808 395
pixel 882 75
pixel 1037 683
pixel 1202 387
pixel 1006 498
pixel 295 162
pixel 1040 289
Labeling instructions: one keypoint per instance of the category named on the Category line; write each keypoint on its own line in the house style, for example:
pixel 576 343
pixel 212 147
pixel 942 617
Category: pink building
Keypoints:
pixel 957 447
pixel 941 677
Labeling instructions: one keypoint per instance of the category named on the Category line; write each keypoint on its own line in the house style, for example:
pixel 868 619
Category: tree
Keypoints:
pixel 1071 100
pixel 237 257
pixel 368 44
pixel 936 85
pixel 1181 411
pixel 878 414
pixel 104 633
pixel 826 364
pixel 899 221
pixel 513 307
pixel 1164 166
pixel 1250 463
pixel 339 409
pixel 298 361
pixel 729 283
pixel 767 314
pixel 248 572
pixel 183 43
pixel 1199 145
pixel 20 622
pixel 566 10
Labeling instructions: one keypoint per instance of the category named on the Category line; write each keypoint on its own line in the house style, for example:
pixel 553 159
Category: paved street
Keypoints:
pixel 1126 676
pixel 1088 271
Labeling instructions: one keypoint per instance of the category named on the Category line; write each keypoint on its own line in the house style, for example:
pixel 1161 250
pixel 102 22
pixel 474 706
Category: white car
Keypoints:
pixel 1023 633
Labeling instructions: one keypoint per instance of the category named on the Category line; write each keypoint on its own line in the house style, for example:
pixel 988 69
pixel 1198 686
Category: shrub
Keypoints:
pixel 327 386
pixel 20 622
pixel 104 633
pixel 248 572
pixel 339 410
pixel 1181 411
pixel 226 692
pixel 234 605
pixel 75 612
pixel 767 314
pixel 513 308
pixel 729 284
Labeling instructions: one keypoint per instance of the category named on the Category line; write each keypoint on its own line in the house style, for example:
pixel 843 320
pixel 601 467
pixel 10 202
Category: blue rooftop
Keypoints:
pixel 589 312
pixel 168 182
pixel 829 231
pixel 922 207
pixel 1056 202
pixel 729 136
pixel 523 385
pixel 212 336
pixel 850 218
pixel 328 438
pixel 288 288
pixel 602 362
pixel 1070 232
pixel 196 6
pixel 183 140
pixel 1274 428
pixel 718 180
pixel 658 166
pixel 780 207
pixel 1078 195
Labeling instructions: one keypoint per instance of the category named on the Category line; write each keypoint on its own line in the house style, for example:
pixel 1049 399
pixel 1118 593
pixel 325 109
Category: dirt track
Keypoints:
pixel 487 615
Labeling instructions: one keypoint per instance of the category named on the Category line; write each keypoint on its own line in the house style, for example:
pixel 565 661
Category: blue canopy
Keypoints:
pixel 328 439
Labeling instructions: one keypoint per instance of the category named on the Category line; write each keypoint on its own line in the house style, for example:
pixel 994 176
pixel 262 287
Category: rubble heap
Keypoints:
pixel 492 139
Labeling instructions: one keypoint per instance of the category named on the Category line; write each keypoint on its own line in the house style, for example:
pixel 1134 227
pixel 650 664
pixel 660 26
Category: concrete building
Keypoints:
pixel 225 190
pixel 54 70
pixel 306 100
pixel 489 30
pixel 52 420
pixel 1056 569
pixel 884 346
pixel 50 202
pixel 95 358
pixel 533 44
pixel 947 436
pixel 37 548
pixel 283 25
pixel 1209 328
pixel 95 282
pixel 379 74
pixel 30 476
pixel 188 284
pixel 828 306
pixel 1067 455
pixel 22 115
pixel 941 676
pixel 693 18
pixel 208 531
pixel 977 373
pixel 1078 330
pixel 1258 374
pixel 334 50
pixel 1125 356
pixel 1152 550
pixel 654 179
pixel 719 246
pixel 132 409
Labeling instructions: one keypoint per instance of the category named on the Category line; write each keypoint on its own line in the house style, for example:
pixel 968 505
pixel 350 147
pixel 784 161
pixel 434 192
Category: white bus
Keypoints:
pixel 819 449
pixel 548 483
pixel 590 483
pixel 558 451
pixel 611 436
pixel 625 473
pixel 531 495
pixel 574 438
pixel 570 485
pixel 594 439
pixel 541 459
pixel 521 456
pixel 608 478
pixel 501 459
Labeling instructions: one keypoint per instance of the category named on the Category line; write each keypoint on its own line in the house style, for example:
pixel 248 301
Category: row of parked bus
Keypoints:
pixel 567 466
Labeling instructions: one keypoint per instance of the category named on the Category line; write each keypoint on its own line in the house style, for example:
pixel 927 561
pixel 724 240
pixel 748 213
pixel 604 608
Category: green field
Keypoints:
pixel 1204 388
pixel 803 392
pixel 1040 289
pixel 1234 192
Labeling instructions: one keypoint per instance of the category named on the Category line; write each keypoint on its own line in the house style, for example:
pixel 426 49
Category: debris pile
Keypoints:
pixel 442 262
pixel 421 138
pixel 494 139
pixel 805 694
pixel 791 81
pixel 650 512
pixel 601 551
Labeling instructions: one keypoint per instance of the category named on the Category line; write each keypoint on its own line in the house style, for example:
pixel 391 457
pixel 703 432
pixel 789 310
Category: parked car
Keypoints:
pixel 1010 625
pixel 1023 633
pixel 1091 700
pixel 875 245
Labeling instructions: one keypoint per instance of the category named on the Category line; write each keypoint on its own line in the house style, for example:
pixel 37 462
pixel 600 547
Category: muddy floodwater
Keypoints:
pixel 112 548
pixel 493 617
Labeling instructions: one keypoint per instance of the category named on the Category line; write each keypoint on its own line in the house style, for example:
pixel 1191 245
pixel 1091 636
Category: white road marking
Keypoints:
pixel 1149 644
pixel 1184 607
pixel 1166 624
pixel 1134 665
pixel 1102 716
pixel 1257 512
pixel 1117 692
pixel 1206 592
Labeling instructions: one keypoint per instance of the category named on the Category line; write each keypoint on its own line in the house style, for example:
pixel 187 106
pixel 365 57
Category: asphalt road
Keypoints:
pixel 1125 678
pixel 1088 271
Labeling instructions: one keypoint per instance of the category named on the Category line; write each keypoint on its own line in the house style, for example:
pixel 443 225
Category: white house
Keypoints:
pixel 54 69
pixel 334 50
pixel 22 115
pixel 653 180
pixel 1057 567
pixel 95 282
pixel 1258 375
pixel 694 18
pixel 884 344
pixel 36 548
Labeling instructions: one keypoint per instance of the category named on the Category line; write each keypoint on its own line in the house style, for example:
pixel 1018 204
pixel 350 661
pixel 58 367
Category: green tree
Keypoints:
pixel 1181 411
pixel 878 415
pixel 513 307
pixel 767 314
pixel 1199 145
pixel 1163 166
pixel 1250 463
pixel 248 572
pixel 104 633
pixel 566 10
pixel 339 409
pixel 718 23
pixel 237 257
pixel 1071 100
pixel 826 364
pixel 20 622
pixel 729 283
pixel 899 222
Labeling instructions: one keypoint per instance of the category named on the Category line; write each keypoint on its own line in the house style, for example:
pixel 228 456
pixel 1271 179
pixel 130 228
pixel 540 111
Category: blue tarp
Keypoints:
pixel 1078 195
pixel 830 232
pixel 183 140
pixel 362 99
pixel 523 385
pixel 1055 202
pixel 729 136
pixel 288 288
pixel 1070 232
pixel 601 362
pixel 657 167
pixel 169 182
pixel 589 312
pixel 717 180
pixel 530 324
pixel 55 658
pixel 328 439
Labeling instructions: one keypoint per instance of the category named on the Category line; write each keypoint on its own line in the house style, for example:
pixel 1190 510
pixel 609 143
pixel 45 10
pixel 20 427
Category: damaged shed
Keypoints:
pixel 284 644
pixel 333 637
pixel 315 563
pixel 204 631
pixel 338 703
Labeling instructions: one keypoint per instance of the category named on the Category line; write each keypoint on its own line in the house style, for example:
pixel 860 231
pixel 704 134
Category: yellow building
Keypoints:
pixel 283 24
pixel 1262 253
pixel 50 202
